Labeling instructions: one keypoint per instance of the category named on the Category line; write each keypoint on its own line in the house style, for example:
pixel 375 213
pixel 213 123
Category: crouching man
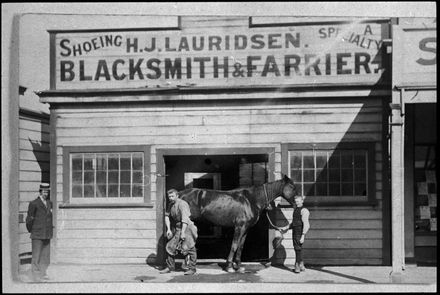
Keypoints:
pixel 181 233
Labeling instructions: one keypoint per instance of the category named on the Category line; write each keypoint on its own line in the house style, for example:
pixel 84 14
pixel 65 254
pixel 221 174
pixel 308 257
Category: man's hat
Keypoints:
pixel 45 186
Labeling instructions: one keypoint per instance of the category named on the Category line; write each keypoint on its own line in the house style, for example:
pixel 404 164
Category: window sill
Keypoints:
pixel 103 205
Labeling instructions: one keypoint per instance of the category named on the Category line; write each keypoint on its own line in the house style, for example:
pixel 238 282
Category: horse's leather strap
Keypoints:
pixel 265 194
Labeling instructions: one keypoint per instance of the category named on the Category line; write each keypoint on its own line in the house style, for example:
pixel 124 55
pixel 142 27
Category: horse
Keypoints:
pixel 239 208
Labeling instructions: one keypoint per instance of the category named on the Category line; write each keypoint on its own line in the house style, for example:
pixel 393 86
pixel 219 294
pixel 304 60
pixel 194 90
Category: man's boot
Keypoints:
pixel 297 269
pixel 301 266
pixel 190 271
pixel 165 270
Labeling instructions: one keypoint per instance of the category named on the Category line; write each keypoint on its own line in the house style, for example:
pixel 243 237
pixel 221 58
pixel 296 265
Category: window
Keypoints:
pixel 338 172
pixel 107 176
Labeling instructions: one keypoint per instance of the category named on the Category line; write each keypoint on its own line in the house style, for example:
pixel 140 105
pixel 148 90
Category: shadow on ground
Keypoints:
pixel 247 277
pixel 319 268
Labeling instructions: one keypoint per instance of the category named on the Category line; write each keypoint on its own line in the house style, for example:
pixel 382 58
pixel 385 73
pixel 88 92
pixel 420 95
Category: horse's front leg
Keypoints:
pixel 234 247
pixel 239 251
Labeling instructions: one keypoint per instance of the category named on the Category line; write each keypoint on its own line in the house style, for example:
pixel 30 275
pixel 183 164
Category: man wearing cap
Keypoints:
pixel 39 224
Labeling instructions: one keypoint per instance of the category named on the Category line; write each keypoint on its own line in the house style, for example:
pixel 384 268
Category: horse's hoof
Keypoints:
pixel 230 270
pixel 241 270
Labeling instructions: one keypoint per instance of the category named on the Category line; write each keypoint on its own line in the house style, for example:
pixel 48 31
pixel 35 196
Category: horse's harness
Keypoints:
pixel 267 215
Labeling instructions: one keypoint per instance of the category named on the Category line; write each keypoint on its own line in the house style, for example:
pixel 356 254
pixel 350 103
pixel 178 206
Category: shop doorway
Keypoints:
pixel 225 172
pixel 421 183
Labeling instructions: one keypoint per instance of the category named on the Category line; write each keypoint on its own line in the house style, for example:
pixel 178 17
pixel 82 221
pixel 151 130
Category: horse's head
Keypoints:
pixel 289 190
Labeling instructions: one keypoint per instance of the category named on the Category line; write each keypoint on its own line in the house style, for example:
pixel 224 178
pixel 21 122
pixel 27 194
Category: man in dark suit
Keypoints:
pixel 39 224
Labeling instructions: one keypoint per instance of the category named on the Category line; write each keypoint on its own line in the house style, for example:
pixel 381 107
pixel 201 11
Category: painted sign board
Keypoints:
pixel 219 56
pixel 415 55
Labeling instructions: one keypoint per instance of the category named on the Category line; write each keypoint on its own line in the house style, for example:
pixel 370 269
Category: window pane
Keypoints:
pixel 77 162
pixel 295 160
pixel 88 162
pixel 89 191
pixel 299 189
pixel 321 175
pixel 101 177
pixel 125 161
pixel 347 189
pixel 113 191
pixel 76 191
pixel 334 189
pixel 309 161
pixel 321 159
pixel 125 190
pixel 138 160
pixel 125 176
pixel 334 175
pixel 89 177
pixel 334 160
pixel 347 175
pixel 113 177
pixel 138 191
pixel 360 189
pixel 360 175
pixel 309 175
pixel 360 159
pixel 309 189
pixel 113 162
pixel 321 189
pixel 101 191
pixel 137 177
pixel 77 177
pixel 346 159
pixel 101 162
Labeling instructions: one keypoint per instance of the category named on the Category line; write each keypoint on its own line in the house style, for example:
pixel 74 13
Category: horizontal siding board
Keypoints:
pixel 354 106
pixel 28 196
pixel 106 243
pixel 342 261
pixel 34 166
pixel 32 176
pixel 343 253
pixel 105 252
pixel 39 126
pixel 105 260
pixel 34 135
pixel 34 155
pixel 342 244
pixel 107 213
pixel 107 234
pixel 220 139
pixel 107 224
pixel 28 145
pixel 346 224
pixel 147 120
pixel 336 214
pixel 343 234
pixel 259 130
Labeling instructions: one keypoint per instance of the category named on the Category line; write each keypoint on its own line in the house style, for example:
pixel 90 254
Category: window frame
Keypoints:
pixel 370 199
pixel 67 198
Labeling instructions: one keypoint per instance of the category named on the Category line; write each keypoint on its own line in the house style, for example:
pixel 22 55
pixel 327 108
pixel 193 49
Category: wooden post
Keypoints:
pixel 397 193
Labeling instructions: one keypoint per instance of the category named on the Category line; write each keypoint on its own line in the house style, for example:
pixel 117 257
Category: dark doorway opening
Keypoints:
pixel 223 172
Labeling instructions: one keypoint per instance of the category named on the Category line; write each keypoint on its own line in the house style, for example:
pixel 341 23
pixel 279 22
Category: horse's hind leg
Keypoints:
pixel 234 247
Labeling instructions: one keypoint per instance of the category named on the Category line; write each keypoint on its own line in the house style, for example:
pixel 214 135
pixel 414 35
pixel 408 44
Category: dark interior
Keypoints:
pixel 234 172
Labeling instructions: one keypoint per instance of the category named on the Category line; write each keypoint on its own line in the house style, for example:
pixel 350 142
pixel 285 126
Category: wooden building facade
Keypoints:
pixel 208 102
